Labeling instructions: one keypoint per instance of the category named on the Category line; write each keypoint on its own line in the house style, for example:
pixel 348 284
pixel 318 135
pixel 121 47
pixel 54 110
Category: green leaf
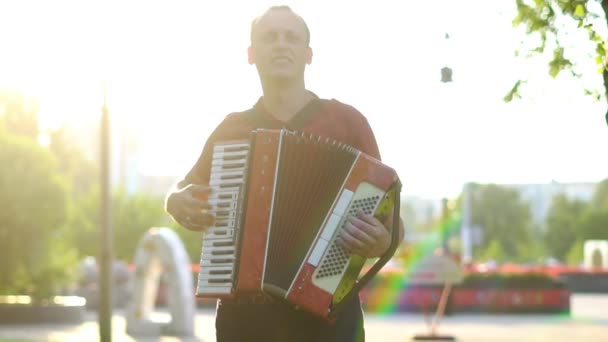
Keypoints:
pixel 600 49
pixel 554 70
pixel 514 92
pixel 596 37
pixel 580 10
pixel 599 60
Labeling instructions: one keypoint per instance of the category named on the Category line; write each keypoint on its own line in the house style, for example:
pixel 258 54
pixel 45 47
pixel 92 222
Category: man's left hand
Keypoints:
pixel 364 235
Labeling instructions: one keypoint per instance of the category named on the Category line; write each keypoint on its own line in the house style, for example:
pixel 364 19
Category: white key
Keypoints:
pixel 218 270
pixel 218 243
pixel 218 233
pixel 205 288
pixel 220 251
pixel 229 174
pixel 232 156
pixel 224 272
pixel 230 147
pixel 222 204
pixel 226 163
pixel 215 260
pixel 225 195
pixel 226 183
pixel 237 167
pixel 220 274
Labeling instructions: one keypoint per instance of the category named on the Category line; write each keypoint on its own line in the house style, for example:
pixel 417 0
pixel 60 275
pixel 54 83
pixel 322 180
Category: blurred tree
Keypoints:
pixel 84 223
pixel 594 221
pixel 18 113
pixel 493 252
pixel 563 225
pixel 594 224
pixel 554 22
pixel 600 196
pixel 571 222
pixel 132 216
pixel 18 116
pixel 503 217
pixel 83 176
pixel 193 242
pixel 36 255
pixel 81 172
pixel 574 257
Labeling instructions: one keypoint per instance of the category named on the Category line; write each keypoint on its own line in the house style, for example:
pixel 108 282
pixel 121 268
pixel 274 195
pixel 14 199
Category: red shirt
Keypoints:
pixel 326 118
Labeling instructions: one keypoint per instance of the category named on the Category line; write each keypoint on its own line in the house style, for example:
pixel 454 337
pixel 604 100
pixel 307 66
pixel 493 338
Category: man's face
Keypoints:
pixel 279 48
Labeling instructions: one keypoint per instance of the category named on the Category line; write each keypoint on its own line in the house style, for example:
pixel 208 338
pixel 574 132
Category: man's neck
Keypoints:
pixel 285 100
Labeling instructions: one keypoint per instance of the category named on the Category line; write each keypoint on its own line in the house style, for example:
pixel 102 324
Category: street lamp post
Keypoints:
pixel 444 226
pixel 446 71
pixel 105 279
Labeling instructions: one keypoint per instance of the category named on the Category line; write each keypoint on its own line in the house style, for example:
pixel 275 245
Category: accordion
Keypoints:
pixel 280 198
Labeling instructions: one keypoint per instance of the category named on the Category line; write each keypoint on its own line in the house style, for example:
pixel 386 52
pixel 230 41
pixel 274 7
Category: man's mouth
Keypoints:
pixel 281 59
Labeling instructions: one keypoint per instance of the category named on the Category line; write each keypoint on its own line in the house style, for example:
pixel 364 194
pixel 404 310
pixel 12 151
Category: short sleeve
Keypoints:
pixel 362 134
pixel 200 171
pixel 367 140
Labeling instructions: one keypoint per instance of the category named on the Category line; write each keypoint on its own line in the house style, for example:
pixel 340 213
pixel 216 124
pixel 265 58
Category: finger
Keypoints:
pixel 351 242
pixel 187 221
pixel 205 219
pixel 200 191
pixel 194 203
pixel 198 217
pixel 351 249
pixel 342 244
pixel 359 234
pixel 371 219
pixel 365 227
pixel 198 223
pixel 196 209
pixel 195 227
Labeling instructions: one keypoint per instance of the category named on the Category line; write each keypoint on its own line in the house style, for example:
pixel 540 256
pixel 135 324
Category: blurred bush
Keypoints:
pixel 37 259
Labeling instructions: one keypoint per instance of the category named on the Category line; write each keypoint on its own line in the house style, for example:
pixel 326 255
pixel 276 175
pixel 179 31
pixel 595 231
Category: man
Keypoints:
pixel 280 51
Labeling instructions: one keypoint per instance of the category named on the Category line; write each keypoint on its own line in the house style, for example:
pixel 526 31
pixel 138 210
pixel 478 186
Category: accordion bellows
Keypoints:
pixel 280 199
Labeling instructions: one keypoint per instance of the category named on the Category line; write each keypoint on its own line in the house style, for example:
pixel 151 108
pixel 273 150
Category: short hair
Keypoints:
pixel 280 8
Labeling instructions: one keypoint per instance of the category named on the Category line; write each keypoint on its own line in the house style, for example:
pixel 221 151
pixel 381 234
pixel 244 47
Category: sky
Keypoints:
pixel 174 69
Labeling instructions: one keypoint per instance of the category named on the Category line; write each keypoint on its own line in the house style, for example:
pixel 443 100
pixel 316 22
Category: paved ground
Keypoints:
pixel 588 322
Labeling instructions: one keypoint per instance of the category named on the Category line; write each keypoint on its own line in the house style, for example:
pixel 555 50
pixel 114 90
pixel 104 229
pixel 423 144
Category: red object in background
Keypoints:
pixel 419 298
pixel 475 299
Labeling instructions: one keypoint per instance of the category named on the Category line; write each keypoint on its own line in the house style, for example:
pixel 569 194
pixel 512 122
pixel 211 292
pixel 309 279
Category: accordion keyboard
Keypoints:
pixel 218 257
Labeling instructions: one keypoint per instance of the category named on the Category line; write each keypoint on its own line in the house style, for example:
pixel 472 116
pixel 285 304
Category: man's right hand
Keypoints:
pixel 190 208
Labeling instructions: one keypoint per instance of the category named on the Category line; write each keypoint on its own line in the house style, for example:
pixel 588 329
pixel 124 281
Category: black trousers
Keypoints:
pixel 272 322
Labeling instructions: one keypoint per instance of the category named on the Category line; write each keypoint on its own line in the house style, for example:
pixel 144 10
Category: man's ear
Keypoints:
pixel 250 58
pixel 309 56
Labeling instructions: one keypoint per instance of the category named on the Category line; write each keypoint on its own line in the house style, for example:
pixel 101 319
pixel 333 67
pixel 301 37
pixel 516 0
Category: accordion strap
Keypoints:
pixel 380 263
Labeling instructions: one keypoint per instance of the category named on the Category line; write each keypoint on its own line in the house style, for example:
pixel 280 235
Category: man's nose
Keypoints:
pixel 281 42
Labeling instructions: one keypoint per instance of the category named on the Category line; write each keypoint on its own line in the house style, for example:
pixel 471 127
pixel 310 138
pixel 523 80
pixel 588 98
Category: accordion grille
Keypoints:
pixel 337 258
pixel 311 174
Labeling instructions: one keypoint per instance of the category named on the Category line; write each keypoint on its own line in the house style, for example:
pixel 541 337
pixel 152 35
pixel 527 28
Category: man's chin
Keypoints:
pixel 279 76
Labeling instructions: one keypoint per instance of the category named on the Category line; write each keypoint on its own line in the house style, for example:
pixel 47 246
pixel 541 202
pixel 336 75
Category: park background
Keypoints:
pixel 460 96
